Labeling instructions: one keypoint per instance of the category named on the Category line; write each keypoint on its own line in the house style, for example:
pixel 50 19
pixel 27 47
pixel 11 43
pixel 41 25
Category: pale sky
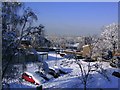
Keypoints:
pixel 74 18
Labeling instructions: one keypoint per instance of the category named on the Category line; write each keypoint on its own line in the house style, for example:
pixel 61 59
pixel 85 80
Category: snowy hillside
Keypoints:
pixel 73 78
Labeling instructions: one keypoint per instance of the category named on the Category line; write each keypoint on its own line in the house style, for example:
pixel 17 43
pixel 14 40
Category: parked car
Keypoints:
pixel 115 62
pixel 117 74
pixel 42 75
pixel 27 77
pixel 62 54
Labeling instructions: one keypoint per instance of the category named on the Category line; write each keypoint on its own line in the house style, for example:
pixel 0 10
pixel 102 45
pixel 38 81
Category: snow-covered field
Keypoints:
pixel 73 78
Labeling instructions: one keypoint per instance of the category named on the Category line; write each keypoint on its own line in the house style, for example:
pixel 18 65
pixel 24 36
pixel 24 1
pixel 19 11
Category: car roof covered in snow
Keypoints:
pixel 33 76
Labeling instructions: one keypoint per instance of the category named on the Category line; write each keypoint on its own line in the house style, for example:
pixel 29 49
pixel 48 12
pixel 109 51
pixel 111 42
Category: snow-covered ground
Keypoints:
pixel 72 79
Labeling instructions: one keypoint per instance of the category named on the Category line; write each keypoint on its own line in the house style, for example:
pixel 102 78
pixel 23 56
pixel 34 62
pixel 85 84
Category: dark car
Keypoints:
pixel 29 78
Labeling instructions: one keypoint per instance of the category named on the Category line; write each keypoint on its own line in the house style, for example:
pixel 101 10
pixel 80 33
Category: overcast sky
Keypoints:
pixel 74 18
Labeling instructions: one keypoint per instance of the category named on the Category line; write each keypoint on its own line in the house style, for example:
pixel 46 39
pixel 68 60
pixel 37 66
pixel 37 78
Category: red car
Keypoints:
pixel 29 78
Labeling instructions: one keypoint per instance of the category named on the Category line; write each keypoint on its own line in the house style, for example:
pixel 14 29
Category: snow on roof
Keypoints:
pixel 74 45
pixel 85 45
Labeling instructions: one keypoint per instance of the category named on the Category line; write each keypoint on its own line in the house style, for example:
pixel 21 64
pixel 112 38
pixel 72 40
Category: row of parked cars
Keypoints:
pixel 37 78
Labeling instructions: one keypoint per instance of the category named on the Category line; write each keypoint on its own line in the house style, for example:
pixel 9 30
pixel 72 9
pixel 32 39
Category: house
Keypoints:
pixel 73 46
pixel 86 50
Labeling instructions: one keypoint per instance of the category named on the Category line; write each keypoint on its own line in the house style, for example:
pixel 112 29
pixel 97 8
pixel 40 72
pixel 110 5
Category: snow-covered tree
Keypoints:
pixel 10 21
pixel 108 40
pixel 15 28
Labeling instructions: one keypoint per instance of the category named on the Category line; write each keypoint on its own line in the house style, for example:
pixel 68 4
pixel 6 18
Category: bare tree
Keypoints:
pixel 86 72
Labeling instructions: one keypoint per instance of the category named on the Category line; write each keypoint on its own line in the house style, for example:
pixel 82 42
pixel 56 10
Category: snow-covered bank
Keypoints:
pixel 72 79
